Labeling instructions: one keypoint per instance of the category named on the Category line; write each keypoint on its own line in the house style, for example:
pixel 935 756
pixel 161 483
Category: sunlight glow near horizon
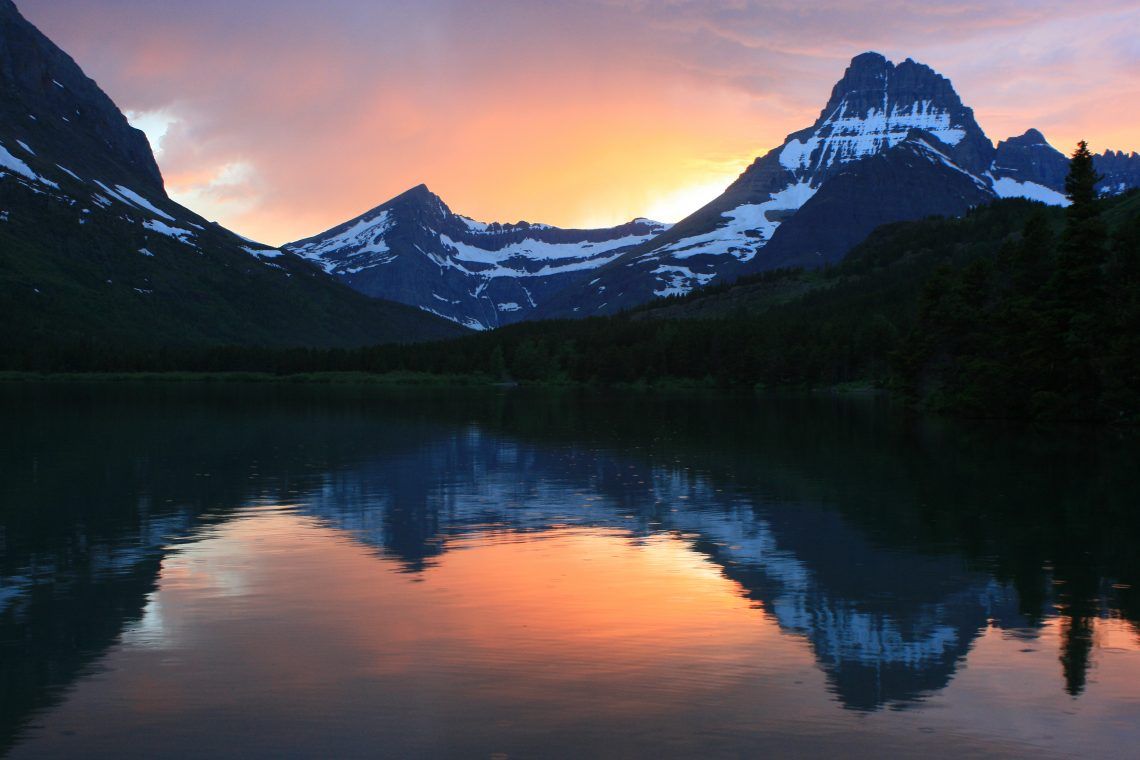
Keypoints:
pixel 675 205
pixel 280 123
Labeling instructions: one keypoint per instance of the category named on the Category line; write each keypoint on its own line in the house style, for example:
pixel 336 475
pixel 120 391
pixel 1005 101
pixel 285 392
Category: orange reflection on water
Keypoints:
pixel 277 632
pixel 567 607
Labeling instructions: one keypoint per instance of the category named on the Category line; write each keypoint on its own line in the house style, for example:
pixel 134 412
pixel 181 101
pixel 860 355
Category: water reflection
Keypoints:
pixel 888 632
pixel 660 551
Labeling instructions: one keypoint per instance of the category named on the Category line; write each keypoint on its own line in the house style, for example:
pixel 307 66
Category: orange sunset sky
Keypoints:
pixel 281 118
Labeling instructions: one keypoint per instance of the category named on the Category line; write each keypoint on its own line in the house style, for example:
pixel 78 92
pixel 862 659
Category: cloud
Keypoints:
pixel 285 117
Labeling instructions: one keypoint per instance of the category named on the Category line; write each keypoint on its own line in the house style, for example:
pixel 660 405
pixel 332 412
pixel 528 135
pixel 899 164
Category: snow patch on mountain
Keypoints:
pixel 746 229
pixel 15 166
pixel 366 237
pixel 846 136
pixel 937 156
pixel 129 197
pixel 537 250
pixel 69 173
pixel 262 253
pixel 141 202
pixel 473 225
pixel 678 280
pixel 177 233
pixel 1007 187
pixel 468 322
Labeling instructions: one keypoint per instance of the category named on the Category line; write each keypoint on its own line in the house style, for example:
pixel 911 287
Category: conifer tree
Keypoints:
pixel 1078 289
pixel 1080 185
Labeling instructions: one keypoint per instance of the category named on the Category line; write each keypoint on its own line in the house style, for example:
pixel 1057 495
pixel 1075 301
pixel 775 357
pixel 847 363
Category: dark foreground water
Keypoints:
pixel 275 571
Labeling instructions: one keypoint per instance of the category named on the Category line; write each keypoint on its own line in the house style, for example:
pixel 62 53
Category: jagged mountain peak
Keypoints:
pixel 872 108
pixel 870 59
pixel 1027 166
pixel 424 206
pixel 871 74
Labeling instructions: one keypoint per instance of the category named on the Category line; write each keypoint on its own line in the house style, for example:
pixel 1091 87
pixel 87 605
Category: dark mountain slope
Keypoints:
pixel 914 180
pixel 93 250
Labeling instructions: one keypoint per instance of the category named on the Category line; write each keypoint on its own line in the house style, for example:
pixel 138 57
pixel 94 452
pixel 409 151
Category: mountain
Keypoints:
pixel 1029 167
pixel 415 250
pixel 93 249
pixel 894 143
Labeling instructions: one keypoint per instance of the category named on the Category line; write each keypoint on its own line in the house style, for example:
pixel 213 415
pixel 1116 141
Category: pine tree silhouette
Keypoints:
pixel 1077 291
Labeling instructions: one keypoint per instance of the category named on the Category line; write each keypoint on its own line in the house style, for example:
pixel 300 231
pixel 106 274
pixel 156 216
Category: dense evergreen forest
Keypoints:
pixel 1049 327
pixel 1015 310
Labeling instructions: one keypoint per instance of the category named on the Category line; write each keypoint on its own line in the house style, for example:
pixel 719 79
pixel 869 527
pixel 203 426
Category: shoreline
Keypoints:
pixel 420 379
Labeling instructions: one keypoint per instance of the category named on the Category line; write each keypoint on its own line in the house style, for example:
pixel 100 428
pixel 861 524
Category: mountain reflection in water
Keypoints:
pixel 635 572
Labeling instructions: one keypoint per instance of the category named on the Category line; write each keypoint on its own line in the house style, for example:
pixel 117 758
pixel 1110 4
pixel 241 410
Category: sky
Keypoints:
pixel 282 118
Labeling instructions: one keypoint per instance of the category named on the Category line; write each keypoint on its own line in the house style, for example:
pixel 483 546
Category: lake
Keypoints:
pixel 288 570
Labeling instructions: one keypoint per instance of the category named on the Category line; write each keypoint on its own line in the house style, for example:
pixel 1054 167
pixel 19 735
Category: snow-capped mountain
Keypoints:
pixel 92 247
pixel 894 143
pixel 906 117
pixel 415 250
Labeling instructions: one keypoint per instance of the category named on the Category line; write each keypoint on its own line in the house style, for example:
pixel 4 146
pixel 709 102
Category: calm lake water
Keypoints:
pixel 301 571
